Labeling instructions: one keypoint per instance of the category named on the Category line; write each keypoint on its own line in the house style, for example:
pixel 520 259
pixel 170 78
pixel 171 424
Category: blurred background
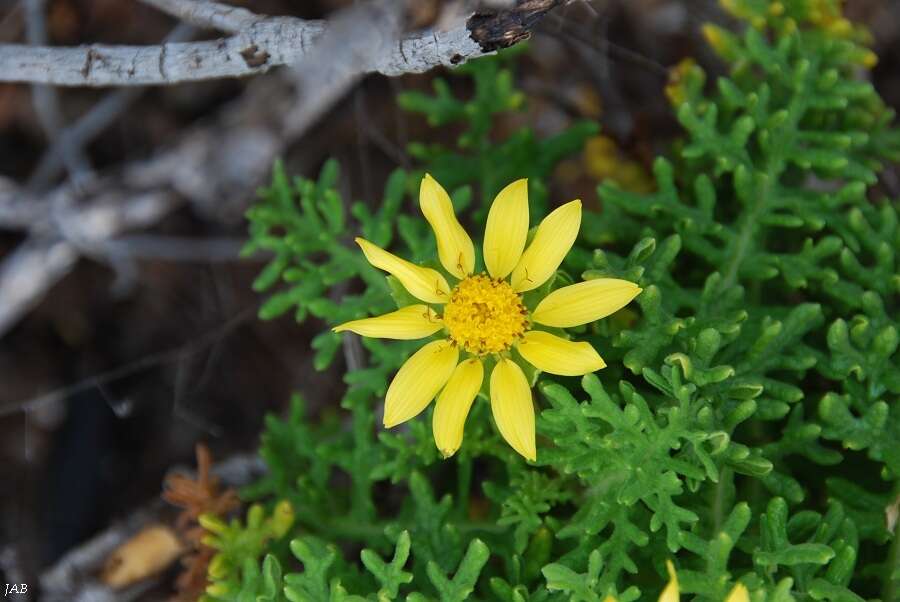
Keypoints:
pixel 118 356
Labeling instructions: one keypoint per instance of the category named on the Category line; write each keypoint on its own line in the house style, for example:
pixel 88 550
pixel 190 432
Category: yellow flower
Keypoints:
pixel 484 316
pixel 738 594
pixel 670 593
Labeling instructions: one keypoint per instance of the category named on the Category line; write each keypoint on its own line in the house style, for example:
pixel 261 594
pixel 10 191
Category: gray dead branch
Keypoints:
pixel 217 165
pixel 258 44
pixel 45 99
pixel 214 15
pixel 87 127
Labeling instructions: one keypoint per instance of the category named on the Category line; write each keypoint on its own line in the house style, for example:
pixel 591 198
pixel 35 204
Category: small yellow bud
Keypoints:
pixel 840 28
pixel 282 518
pixel 675 89
pixel 217 590
pixel 870 59
pixel 715 37
pixel 212 523
pixel 729 6
pixel 218 567
pixel 670 593
pixel 738 594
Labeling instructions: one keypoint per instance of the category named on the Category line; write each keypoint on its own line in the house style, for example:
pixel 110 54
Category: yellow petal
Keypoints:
pixel 411 322
pixel 553 239
pixel 512 407
pixel 557 355
pixel 418 381
pixel 584 302
pixel 453 406
pixel 507 229
pixel 610 599
pixel 738 594
pixel 454 246
pixel 670 593
pixel 422 283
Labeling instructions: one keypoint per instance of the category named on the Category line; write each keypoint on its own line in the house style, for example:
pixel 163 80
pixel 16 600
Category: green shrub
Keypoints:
pixel 747 425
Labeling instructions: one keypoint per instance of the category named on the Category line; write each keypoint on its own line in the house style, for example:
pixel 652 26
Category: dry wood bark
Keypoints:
pixel 215 164
pixel 258 43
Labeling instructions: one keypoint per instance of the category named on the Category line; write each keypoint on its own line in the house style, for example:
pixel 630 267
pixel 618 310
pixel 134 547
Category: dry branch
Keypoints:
pixel 91 124
pixel 45 98
pixel 202 13
pixel 217 166
pixel 258 44
pixel 258 47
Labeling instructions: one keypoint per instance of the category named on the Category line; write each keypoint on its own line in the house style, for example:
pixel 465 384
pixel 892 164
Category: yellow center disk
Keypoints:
pixel 485 315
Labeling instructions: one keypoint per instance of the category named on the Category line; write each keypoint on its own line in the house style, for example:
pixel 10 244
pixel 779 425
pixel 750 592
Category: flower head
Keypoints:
pixel 484 316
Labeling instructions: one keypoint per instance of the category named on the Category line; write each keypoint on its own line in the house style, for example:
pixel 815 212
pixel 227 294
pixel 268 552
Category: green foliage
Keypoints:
pixel 747 425
pixel 390 575
pixel 585 587
pixel 234 573
pixel 303 224
pixel 457 588
pixel 256 584
pixel 477 158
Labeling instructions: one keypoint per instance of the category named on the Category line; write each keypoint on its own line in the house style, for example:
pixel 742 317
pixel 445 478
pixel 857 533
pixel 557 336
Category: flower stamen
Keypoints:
pixel 485 315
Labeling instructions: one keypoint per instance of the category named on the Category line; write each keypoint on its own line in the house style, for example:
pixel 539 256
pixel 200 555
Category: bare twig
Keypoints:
pixel 214 15
pixel 72 221
pixel 255 50
pixel 259 45
pixel 80 133
pixel 356 42
pixel 91 124
pixel 39 262
pixel 265 44
pixel 28 273
pixel 218 165
pixel 45 99
pixel 19 210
